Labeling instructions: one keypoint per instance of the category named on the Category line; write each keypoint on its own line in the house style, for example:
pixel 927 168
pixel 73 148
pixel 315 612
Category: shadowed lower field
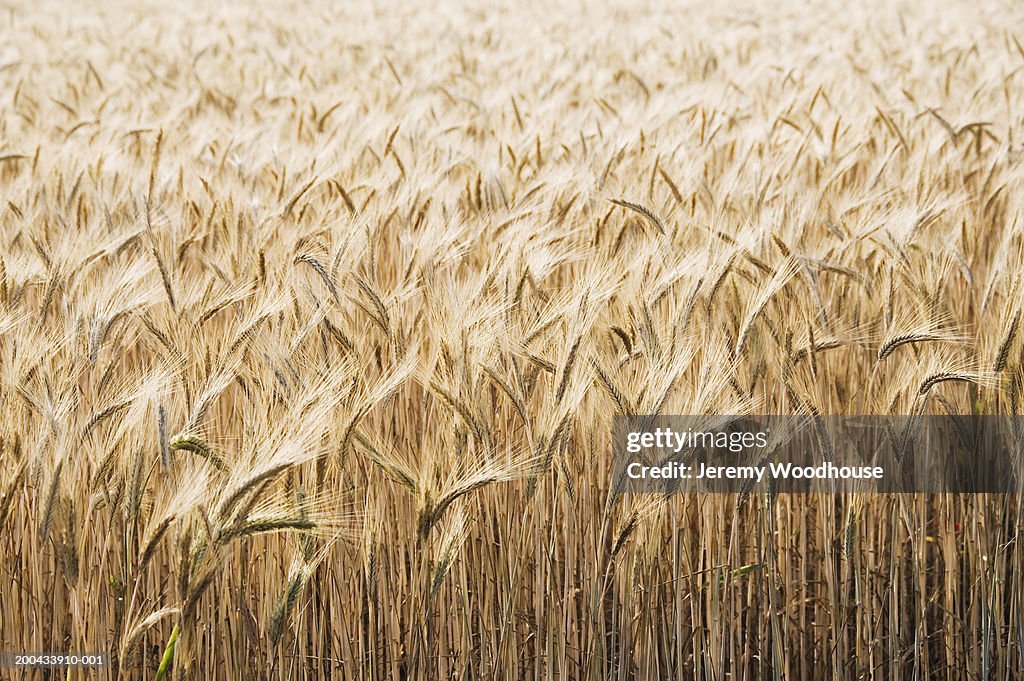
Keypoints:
pixel 314 319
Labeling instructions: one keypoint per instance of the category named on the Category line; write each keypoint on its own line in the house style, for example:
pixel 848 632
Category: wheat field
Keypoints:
pixel 314 319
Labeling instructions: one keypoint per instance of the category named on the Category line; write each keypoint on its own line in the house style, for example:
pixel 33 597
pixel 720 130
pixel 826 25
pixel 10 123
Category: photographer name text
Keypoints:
pixel 778 471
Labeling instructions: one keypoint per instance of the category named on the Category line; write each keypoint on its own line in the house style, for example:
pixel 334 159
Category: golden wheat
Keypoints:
pixel 314 319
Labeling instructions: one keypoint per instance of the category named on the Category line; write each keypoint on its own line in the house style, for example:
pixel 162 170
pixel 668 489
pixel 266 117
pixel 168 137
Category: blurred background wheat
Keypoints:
pixel 314 318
